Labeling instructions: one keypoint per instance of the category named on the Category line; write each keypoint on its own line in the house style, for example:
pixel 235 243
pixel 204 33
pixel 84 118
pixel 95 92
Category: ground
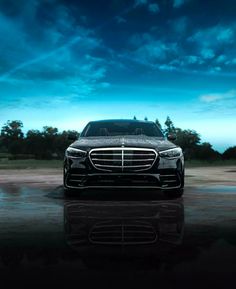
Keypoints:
pixel 34 228
pixel 43 178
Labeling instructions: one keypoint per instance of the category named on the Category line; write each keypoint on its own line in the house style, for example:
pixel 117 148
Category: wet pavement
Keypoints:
pixel 117 239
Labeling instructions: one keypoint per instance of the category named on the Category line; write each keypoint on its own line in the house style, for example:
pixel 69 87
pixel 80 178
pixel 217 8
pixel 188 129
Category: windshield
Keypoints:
pixel 121 128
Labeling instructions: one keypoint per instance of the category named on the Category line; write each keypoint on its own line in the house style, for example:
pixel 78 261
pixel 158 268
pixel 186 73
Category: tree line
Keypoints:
pixel 49 143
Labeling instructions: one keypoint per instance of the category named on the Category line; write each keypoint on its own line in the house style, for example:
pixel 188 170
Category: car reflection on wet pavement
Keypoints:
pixel 127 239
pixel 133 228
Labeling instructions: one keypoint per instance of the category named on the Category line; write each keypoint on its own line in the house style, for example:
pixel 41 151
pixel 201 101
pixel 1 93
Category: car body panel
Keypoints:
pixel 164 173
pixel 88 143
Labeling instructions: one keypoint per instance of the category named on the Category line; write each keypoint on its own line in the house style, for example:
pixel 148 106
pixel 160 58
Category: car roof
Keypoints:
pixel 122 120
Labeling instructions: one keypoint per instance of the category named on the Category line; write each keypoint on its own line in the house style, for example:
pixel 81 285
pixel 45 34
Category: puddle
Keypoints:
pixel 218 189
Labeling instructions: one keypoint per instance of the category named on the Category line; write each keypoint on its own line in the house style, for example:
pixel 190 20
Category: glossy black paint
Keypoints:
pixel 87 143
pixel 79 173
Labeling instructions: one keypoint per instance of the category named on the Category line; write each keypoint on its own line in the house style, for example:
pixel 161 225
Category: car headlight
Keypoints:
pixel 75 153
pixel 171 153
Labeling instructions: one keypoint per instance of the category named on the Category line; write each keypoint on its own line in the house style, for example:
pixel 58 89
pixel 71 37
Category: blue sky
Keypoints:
pixel 63 63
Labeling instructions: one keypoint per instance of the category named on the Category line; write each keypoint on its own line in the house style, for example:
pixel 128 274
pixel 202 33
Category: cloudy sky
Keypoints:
pixel 63 63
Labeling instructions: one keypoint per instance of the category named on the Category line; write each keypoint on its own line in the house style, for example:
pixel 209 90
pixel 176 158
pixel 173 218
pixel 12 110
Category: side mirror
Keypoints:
pixel 72 137
pixel 171 137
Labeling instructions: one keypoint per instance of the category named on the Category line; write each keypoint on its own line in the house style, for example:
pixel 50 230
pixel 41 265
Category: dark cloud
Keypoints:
pixel 55 40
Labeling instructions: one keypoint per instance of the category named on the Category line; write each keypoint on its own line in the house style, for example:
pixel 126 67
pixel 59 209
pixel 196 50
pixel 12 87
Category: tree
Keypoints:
pixel 48 143
pixel 12 136
pixel 49 131
pixel 169 127
pixel 146 119
pixel 12 129
pixel 229 153
pixel 135 118
pixel 158 123
pixel 188 141
pixel 205 151
pixel 50 136
pixel 187 138
pixel 35 143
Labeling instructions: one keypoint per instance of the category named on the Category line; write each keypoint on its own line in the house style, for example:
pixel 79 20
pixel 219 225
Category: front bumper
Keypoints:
pixel 165 180
pixel 165 174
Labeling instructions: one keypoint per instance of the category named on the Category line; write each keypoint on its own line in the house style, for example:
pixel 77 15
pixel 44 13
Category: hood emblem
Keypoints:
pixel 123 142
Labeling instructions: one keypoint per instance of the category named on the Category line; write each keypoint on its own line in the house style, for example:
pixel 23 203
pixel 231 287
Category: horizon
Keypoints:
pixel 221 149
pixel 63 64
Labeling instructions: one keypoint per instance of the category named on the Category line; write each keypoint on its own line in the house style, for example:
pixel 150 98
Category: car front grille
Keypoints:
pixel 115 233
pixel 122 159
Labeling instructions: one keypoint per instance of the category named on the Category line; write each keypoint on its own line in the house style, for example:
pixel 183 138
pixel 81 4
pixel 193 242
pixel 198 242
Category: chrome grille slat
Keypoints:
pixel 115 154
pixel 108 166
pixel 119 160
pixel 107 160
pixel 122 158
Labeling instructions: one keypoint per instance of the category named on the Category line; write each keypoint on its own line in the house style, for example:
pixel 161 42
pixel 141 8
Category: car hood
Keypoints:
pixel 87 143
